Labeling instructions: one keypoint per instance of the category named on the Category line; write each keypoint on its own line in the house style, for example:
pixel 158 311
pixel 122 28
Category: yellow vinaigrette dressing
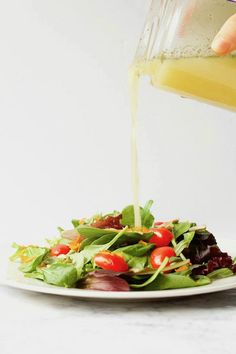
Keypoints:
pixel 134 88
pixel 210 79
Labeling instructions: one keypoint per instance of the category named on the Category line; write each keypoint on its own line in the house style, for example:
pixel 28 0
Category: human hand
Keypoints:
pixel 225 41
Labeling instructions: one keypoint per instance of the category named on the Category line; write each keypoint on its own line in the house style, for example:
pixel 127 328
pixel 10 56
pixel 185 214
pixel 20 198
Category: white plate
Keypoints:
pixel 17 280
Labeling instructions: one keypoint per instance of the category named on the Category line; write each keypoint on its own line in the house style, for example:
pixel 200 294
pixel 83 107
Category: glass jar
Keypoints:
pixel 175 50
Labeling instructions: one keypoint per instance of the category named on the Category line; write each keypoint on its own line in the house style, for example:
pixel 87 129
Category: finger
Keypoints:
pixel 225 41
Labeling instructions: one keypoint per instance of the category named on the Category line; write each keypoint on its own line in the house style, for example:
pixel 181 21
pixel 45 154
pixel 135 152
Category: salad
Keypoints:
pixel 107 252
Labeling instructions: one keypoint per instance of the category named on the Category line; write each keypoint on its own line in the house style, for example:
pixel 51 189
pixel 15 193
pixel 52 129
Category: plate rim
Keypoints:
pixel 125 295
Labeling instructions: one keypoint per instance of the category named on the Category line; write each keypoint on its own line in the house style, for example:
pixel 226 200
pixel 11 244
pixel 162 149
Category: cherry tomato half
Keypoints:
pixel 159 254
pixel 59 249
pixel 110 261
pixel 162 237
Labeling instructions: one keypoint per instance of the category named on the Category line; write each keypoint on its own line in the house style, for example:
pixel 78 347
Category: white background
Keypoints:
pixel 65 152
pixel 65 124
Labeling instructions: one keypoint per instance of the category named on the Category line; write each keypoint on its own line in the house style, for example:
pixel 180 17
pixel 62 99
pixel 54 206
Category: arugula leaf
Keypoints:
pixel 220 274
pixel 188 237
pixel 176 281
pixel 153 277
pixel 175 265
pixel 180 228
pixel 60 274
pixel 30 257
pixel 147 218
pixel 189 269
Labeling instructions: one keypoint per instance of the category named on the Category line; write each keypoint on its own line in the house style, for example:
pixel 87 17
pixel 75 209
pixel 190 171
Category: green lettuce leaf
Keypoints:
pixel 19 250
pixel 30 257
pixel 60 274
pixel 37 274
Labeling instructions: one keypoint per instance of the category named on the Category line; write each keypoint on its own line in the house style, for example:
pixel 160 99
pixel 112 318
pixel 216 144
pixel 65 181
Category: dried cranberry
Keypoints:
pixel 109 222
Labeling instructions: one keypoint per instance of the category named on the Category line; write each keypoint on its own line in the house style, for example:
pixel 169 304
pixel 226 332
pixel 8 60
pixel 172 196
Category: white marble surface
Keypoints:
pixel 33 323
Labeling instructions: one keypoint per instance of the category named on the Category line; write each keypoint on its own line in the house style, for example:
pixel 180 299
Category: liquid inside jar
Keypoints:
pixel 210 79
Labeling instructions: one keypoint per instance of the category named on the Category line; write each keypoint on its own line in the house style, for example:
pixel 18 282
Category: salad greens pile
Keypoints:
pixel 107 252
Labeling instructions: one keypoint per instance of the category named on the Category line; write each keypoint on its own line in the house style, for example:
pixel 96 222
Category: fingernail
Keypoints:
pixel 221 46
